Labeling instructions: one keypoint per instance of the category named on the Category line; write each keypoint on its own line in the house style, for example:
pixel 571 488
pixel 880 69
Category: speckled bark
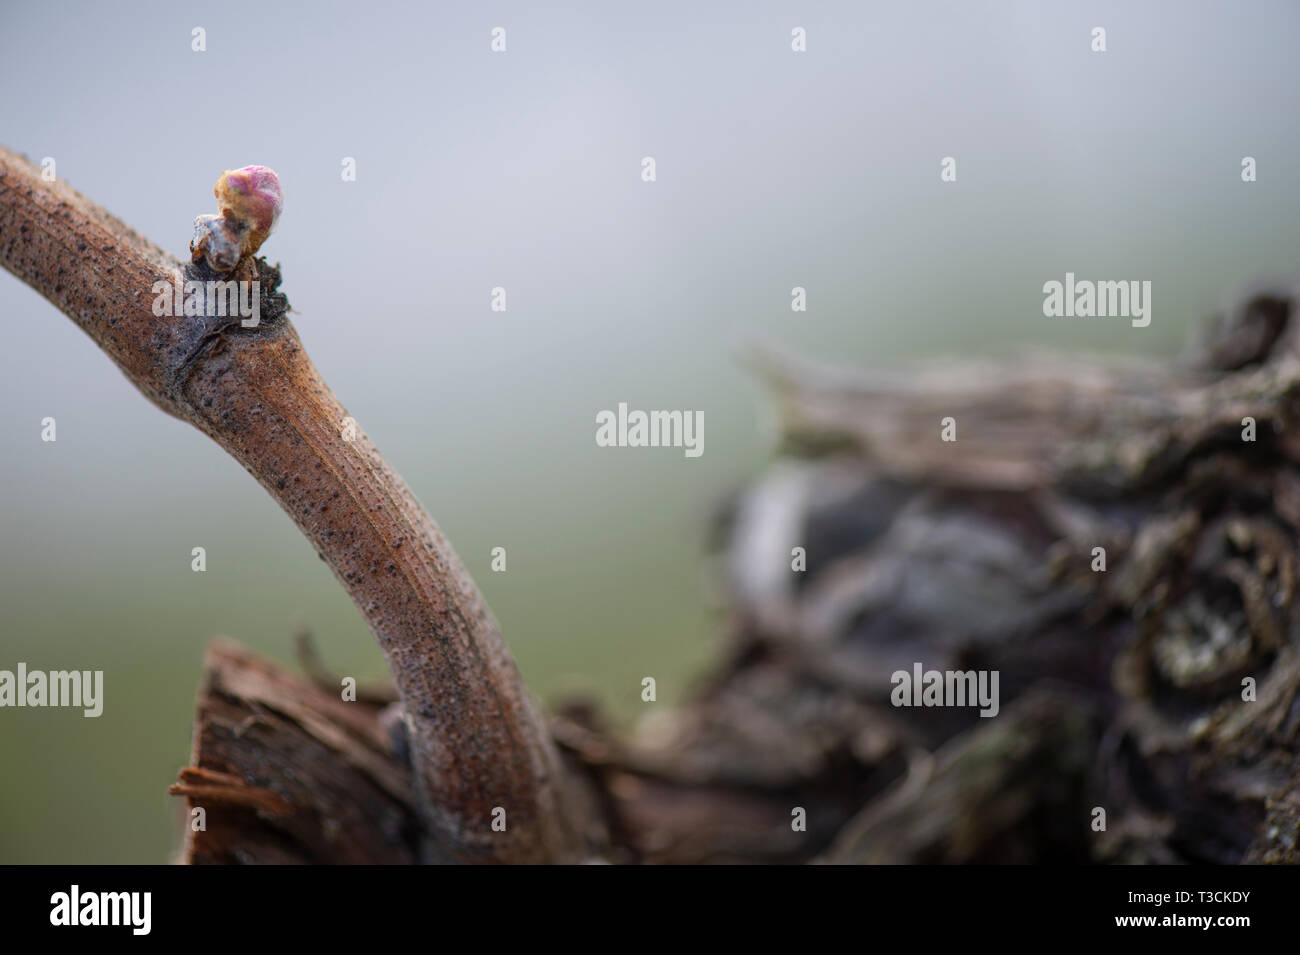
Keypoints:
pixel 476 739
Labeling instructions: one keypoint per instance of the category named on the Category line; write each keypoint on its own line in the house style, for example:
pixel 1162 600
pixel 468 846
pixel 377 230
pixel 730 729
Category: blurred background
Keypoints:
pixel 522 170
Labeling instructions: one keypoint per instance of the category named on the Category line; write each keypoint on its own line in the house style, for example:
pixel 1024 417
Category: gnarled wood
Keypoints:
pixel 287 772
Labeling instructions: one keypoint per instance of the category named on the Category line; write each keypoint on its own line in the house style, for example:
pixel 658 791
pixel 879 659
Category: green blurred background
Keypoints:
pixel 522 170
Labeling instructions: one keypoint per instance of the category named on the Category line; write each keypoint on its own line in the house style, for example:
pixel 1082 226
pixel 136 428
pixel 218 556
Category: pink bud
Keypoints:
pixel 249 200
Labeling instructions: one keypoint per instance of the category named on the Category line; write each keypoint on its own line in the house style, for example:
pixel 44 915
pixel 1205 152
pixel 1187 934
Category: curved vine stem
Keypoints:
pixel 476 738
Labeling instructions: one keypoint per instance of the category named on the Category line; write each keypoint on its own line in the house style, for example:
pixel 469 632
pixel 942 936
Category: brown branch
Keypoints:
pixel 476 739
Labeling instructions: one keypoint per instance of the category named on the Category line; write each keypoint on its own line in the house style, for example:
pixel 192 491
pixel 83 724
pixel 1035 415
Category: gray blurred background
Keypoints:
pixel 522 170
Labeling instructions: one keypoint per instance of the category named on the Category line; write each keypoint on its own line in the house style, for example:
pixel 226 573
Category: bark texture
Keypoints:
pixel 1120 690
pixel 285 772
pixel 1162 687
pixel 476 739
pixel 1124 689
